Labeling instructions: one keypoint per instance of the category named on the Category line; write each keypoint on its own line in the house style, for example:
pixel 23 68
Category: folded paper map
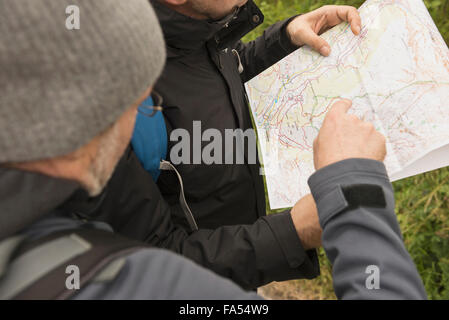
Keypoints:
pixel 396 72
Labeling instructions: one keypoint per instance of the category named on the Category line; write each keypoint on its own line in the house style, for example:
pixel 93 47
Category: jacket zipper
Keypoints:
pixel 240 67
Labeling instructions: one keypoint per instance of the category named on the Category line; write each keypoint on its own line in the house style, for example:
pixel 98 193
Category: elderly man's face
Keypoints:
pixel 215 9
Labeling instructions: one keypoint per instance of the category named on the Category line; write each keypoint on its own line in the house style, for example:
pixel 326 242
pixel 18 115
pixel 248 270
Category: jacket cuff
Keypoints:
pixel 327 184
pixel 284 39
pixel 277 37
pixel 297 258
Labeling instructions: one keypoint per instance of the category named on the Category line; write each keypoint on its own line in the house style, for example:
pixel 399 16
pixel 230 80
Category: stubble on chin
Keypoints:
pixel 110 150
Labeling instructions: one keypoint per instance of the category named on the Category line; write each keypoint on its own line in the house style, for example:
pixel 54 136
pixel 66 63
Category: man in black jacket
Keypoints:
pixel 203 80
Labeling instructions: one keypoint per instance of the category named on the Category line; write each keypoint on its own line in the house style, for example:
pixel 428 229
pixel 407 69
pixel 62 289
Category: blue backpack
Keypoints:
pixel 150 139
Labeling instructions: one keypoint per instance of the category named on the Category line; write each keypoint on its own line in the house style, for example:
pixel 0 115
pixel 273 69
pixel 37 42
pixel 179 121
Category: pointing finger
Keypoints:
pixel 341 106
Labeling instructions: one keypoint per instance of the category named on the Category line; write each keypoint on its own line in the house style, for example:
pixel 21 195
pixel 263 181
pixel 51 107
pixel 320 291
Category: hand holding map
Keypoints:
pixel 306 28
pixel 396 72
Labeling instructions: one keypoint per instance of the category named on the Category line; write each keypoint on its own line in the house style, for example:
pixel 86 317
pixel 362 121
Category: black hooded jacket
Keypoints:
pixel 201 82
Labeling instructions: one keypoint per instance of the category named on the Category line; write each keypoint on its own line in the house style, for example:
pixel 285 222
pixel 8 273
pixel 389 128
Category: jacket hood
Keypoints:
pixel 26 197
pixel 184 35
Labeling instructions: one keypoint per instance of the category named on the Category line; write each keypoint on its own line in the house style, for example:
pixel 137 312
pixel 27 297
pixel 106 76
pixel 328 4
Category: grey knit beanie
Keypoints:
pixel 60 88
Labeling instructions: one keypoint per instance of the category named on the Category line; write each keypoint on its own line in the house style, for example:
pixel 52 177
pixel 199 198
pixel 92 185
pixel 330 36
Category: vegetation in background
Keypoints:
pixel 422 202
pixel 275 10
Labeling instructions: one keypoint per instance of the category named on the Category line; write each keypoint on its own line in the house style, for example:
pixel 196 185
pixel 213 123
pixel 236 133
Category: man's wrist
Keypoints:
pixel 289 33
pixel 305 219
pixel 304 234
pixel 288 42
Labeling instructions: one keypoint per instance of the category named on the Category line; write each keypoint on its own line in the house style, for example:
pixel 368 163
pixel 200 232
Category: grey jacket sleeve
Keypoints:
pixel 155 274
pixel 361 235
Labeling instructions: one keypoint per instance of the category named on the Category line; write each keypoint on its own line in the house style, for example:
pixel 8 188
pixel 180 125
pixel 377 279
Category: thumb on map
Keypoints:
pixel 316 42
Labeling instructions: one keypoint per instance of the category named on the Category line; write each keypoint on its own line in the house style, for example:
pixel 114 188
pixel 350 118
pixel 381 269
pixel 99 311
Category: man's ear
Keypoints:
pixel 175 2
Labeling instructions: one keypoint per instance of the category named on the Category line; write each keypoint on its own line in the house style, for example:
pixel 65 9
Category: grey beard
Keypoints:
pixel 104 163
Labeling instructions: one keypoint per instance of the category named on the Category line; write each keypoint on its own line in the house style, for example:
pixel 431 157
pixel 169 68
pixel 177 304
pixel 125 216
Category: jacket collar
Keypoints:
pixel 25 197
pixel 184 35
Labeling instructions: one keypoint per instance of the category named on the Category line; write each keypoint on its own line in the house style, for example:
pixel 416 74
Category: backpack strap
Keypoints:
pixel 7 249
pixel 38 268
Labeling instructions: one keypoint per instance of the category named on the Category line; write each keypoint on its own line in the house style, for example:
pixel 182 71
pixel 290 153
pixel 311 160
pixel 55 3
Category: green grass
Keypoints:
pixel 275 10
pixel 422 202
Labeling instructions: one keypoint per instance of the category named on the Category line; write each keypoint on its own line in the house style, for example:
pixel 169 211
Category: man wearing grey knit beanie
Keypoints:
pixel 68 103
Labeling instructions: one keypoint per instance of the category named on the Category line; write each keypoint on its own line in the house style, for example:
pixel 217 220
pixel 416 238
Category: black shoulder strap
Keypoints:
pixel 105 247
